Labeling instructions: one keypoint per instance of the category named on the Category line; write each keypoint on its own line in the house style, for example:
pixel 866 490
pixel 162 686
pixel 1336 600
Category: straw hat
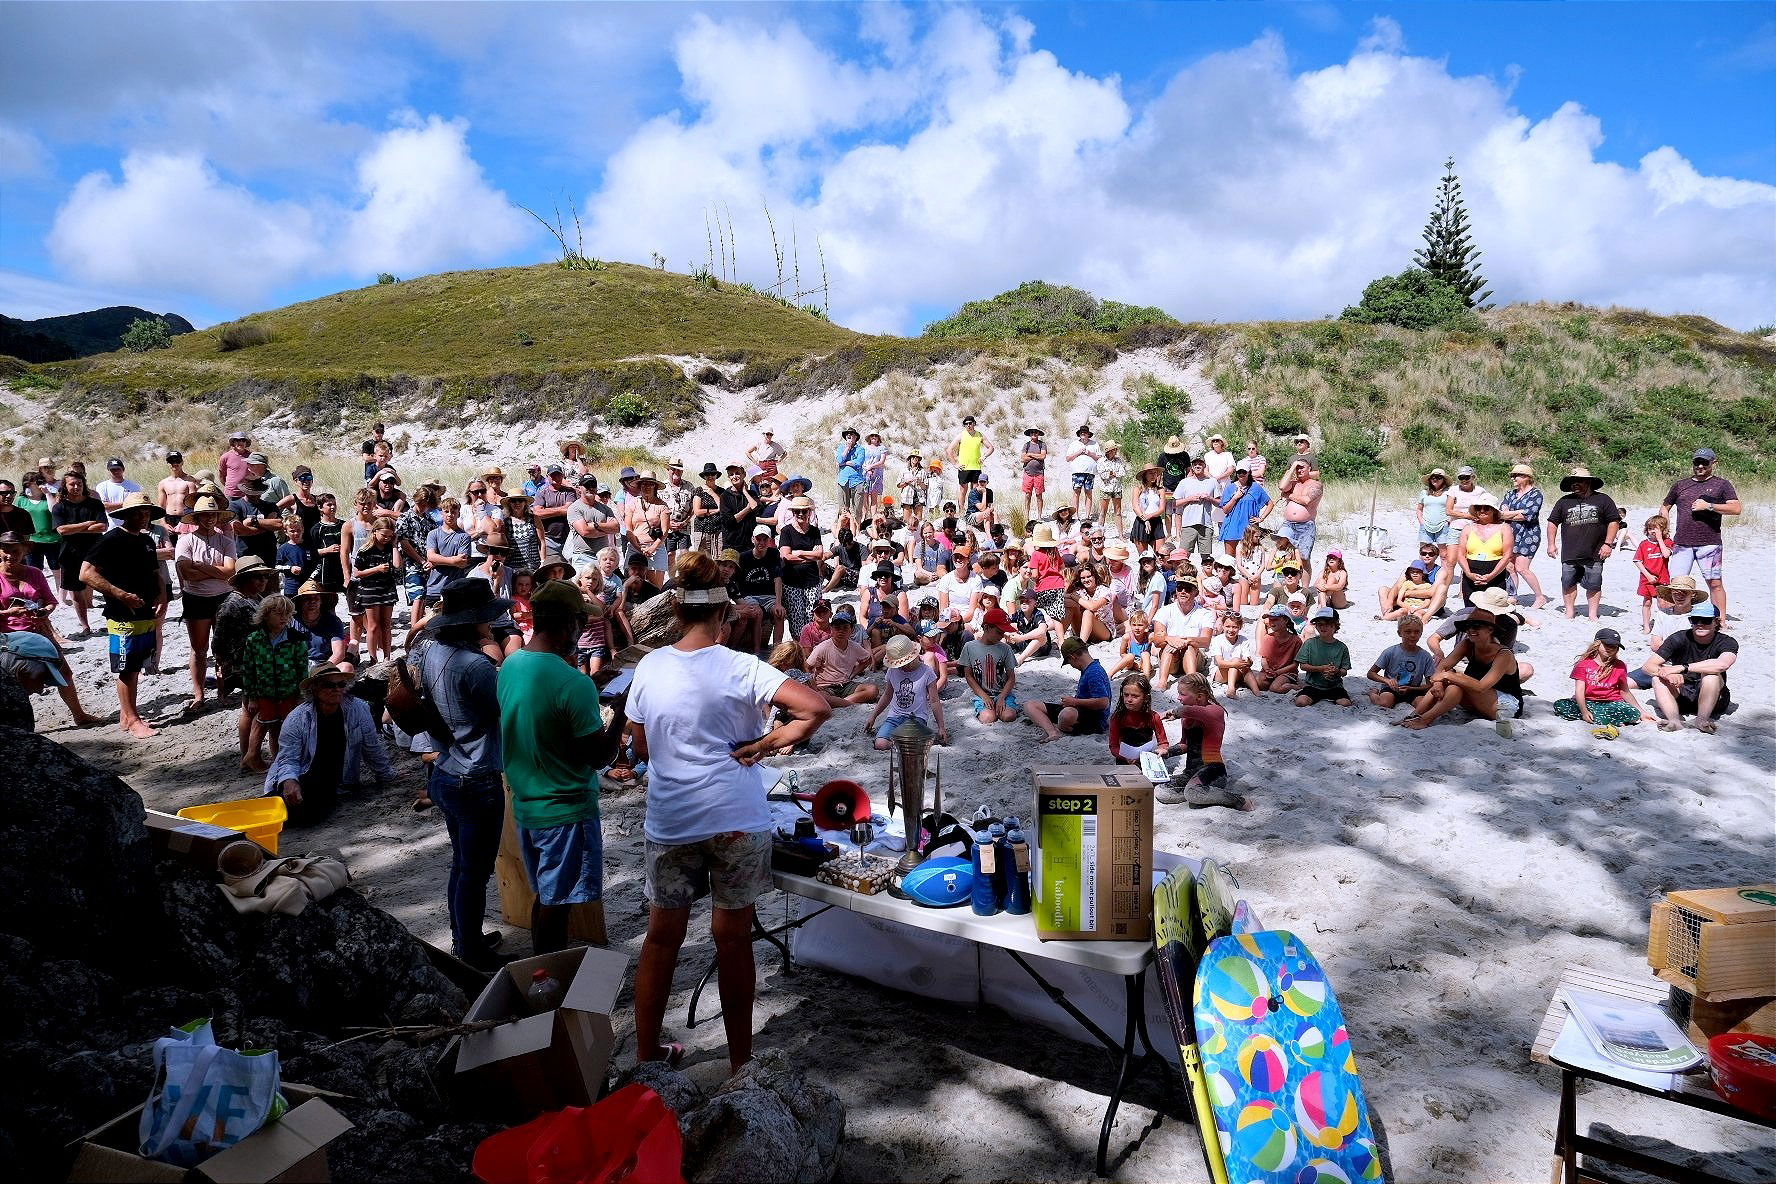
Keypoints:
pixel 1495 600
pixel 206 503
pixel 1116 549
pixel 495 472
pixel 1436 473
pixel 900 652
pixel 1521 470
pixel 140 501
pixel 649 476
pixel 323 671
pixel 1043 535
pixel 516 497
pixel 1149 467
pixel 310 587
pixel 1684 586
pixel 801 502
pixel 566 569
pixel 1174 444
pixel 1579 473
pixel 249 565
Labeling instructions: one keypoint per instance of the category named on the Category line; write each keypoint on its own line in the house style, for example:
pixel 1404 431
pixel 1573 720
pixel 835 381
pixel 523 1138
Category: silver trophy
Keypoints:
pixel 906 780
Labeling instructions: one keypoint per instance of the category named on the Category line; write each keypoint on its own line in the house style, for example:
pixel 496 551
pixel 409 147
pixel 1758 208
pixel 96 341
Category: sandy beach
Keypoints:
pixel 1443 877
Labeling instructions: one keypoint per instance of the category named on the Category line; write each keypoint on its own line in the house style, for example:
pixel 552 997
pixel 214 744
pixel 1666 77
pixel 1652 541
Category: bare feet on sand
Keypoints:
pixel 139 729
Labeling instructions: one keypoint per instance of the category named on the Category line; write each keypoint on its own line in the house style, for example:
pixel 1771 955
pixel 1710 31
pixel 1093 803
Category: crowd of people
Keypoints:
pixel 496 610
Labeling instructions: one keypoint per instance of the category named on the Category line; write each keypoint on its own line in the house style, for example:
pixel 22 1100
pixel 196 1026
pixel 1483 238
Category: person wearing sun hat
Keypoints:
pixel 1522 508
pixel 1689 672
pixel 911 696
pixel 1587 522
pixel 1034 459
pixel 1048 573
pixel 1602 694
pixel 1480 674
pixel 1483 550
pixel 329 741
pixel 1695 506
pixel 849 458
pixel 205 558
pixel 1174 466
pixel 125 567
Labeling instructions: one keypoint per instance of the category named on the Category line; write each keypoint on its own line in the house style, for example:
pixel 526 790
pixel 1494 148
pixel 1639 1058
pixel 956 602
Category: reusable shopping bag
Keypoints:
pixel 206 1097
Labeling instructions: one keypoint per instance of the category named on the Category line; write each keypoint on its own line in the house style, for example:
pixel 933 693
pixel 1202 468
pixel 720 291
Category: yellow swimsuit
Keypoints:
pixel 1479 547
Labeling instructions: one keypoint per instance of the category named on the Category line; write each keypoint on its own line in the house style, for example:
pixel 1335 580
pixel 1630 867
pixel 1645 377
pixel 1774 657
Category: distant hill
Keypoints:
pixel 78 335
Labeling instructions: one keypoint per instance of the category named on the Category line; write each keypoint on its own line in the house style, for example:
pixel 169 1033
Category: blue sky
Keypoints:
pixel 1224 161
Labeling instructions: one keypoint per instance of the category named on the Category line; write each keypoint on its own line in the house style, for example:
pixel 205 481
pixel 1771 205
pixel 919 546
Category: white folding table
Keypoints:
pixel 1016 935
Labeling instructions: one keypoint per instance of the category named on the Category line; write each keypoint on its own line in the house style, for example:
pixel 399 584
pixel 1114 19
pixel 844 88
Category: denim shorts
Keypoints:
pixel 1011 701
pixel 565 863
pixel 1302 534
pixel 885 729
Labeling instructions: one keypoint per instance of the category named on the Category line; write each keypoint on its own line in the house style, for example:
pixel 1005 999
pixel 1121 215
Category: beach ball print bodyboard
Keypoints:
pixel 1287 1103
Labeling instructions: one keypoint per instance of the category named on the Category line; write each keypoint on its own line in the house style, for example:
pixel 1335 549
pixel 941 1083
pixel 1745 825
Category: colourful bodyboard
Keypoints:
pixel 1281 1077
pixel 1177 944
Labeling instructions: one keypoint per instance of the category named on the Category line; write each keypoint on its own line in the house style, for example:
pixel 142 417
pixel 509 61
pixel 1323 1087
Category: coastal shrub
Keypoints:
pixel 241 336
pixel 1039 309
pixel 1349 452
pixel 1283 421
pixel 145 334
pixel 1414 299
pixel 383 277
pixel 627 410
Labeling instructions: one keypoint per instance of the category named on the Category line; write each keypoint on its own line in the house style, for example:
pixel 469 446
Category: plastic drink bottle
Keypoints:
pixel 1001 862
pixel 1017 869
pixel 983 898
pixel 544 993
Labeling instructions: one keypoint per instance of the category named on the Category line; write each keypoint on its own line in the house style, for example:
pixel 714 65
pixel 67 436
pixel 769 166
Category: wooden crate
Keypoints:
pixel 1717 944
pixel 1703 1021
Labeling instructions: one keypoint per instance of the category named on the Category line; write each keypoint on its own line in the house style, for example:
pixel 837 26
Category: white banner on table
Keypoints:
pixel 888 953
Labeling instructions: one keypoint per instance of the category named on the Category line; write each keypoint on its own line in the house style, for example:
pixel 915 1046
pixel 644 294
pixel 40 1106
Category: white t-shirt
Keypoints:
pixel 1179 624
pixel 696 707
pixel 1219 464
pixel 959 591
pixel 115 491
pixel 909 692
pixel 1237 650
pixel 1196 513
pixel 1086 461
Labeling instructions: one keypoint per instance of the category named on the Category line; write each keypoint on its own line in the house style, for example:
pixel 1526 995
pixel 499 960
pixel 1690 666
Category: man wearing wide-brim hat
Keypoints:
pixel 327 742
pixel 1583 526
pixel 465 779
pixel 125 566
pixel 850 458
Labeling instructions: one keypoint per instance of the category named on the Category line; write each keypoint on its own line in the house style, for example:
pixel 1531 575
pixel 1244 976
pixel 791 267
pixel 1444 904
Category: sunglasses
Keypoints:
pixel 305 478
pixel 477 489
pixel 332 686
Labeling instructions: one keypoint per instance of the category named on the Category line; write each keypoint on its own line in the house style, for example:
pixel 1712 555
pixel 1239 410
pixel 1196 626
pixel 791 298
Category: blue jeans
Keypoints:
pixel 474 809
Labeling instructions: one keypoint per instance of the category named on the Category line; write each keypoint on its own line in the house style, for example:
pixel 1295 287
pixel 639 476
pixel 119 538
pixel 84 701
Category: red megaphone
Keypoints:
pixel 837 805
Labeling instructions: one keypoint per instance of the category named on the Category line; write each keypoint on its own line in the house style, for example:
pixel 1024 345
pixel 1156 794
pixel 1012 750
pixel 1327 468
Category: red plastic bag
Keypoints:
pixel 627 1138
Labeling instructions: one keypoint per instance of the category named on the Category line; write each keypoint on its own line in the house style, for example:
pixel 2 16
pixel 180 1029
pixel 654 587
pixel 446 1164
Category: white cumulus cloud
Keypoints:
pixel 964 162
pixel 171 223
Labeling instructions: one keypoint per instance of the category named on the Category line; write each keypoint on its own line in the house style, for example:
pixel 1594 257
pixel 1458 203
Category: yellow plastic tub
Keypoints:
pixel 260 819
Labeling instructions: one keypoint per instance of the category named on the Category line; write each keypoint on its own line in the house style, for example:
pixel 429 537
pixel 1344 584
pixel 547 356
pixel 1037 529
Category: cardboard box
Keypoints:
pixel 292 1150
pixel 200 843
pixel 1092 876
pixel 585 922
pixel 555 1059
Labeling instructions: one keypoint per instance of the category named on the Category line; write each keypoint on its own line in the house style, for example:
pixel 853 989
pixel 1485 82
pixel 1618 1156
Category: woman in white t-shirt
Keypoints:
pixel 696 713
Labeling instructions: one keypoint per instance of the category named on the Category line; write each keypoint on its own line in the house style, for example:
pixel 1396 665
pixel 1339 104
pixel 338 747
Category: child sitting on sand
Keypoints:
pixel 1031 633
pixel 1413 595
pixel 1134 726
pixel 1135 650
pixel 1324 662
pixel 1602 695
pixel 1653 560
pixel 1286 585
pixel 1231 657
pixel 1204 723
pixel 1278 645
pixel 1332 582
pixel 910 695
pixel 1403 671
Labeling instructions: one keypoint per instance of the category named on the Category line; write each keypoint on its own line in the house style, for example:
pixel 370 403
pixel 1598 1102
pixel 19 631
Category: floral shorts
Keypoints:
pixel 734 868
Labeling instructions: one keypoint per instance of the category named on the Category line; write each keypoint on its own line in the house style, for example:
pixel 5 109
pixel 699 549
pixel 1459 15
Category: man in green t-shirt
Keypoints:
pixel 555 741
pixel 1324 661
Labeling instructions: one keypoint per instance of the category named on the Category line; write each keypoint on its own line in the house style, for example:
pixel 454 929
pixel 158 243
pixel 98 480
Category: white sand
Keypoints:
pixel 1443 877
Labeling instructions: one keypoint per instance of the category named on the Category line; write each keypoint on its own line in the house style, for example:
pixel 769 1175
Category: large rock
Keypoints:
pixel 767 1122
pixel 76 874
pixel 654 623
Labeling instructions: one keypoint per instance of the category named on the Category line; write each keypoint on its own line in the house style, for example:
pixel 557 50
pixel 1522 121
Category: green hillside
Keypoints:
pixel 540 340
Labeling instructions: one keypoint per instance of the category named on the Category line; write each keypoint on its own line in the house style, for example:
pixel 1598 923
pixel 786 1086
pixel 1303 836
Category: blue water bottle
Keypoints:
pixel 983 898
pixel 1001 863
pixel 1017 868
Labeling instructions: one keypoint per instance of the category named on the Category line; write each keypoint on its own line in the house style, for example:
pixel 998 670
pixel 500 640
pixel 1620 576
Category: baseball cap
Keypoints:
pixel 1335 553
pixel 1323 614
pixel 114 463
pixel 39 649
pixel 968 421
pixel 553 469
pixel 1608 637
pixel 1297 598
pixel 1071 646
pixel 729 556
pixel 1704 611
pixel 761 529
pixel 844 617
pixel 1706 454
pixel 1465 471
pixel 175 457
pixel 995 618
pixel 257 458
pixel 1277 610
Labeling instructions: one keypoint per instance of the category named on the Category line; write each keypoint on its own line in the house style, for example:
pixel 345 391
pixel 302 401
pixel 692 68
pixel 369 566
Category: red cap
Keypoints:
pixel 996 618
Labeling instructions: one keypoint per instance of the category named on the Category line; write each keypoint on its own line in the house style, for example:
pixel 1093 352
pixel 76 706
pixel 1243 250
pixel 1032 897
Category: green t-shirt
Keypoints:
pixel 1315 652
pixel 42 519
pixel 545 706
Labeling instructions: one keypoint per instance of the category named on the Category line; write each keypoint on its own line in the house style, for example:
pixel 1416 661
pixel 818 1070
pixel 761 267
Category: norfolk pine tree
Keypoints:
pixel 1449 254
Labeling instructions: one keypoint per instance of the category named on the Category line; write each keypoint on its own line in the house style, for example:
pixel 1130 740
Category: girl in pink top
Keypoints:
pixel 1602 694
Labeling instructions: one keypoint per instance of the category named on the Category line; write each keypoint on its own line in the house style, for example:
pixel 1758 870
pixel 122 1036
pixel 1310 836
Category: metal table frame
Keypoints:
pixel 1131 1059
pixel 1692 1090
